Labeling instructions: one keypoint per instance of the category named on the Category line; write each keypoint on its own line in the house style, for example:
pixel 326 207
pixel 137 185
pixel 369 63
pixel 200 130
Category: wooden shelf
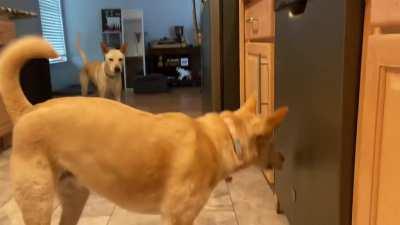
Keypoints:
pixel 9 13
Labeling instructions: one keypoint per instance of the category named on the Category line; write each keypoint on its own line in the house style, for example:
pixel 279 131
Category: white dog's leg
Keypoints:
pixel 117 91
pixel 84 83
pixel 33 183
pixel 73 198
pixel 102 92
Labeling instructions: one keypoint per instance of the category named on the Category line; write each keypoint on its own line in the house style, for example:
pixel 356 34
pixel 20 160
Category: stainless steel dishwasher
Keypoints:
pixel 318 58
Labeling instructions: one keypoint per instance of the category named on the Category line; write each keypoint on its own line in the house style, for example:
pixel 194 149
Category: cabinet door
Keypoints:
pixel 5 122
pixel 377 179
pixel 259 75
pixel 252 63
pixel 259 16
pixel 385 12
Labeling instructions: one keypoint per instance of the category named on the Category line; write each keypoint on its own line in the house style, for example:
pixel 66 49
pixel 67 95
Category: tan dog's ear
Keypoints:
pixel 124 48
pixel 104 47
pixel 267 124
pixel 250 106
pixel 277 117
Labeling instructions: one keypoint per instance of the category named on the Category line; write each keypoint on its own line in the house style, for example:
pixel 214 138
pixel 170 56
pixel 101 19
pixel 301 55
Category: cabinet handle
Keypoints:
pixel 251 20
pixel 258 84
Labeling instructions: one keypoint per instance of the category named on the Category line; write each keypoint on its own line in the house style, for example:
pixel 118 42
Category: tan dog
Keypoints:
pixel 106 75
pixel 67 146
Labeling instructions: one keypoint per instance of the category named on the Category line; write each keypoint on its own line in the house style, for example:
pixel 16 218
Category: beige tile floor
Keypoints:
pixel 247 200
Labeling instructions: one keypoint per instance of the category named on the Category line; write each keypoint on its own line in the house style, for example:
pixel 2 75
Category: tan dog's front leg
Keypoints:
pixel 172 220
pixel 182 207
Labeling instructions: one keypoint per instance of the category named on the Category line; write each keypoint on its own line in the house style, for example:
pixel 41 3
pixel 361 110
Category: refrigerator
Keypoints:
pixel 318 60
pixel 220 55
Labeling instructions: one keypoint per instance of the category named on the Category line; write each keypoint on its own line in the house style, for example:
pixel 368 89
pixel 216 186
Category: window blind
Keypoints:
pixel 53 27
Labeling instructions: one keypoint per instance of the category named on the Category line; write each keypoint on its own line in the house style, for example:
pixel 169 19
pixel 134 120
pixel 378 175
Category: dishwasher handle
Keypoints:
pixel 295 6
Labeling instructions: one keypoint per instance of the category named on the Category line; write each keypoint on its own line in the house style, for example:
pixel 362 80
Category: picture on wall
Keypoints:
pixel 111 20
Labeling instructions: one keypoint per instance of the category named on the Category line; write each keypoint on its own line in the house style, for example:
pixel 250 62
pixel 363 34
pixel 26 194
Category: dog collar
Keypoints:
pixel 237 146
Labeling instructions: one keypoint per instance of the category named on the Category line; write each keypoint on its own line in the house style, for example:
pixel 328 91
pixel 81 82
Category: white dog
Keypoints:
pixel 183 73
pixel 106 75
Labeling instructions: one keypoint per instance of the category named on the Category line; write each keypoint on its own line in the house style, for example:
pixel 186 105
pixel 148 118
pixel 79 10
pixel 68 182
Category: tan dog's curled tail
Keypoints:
pixel 80 50
pixel 12 59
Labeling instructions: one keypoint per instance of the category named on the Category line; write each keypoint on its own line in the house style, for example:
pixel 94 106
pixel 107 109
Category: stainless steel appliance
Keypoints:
pixel 318 54
pixel 220 55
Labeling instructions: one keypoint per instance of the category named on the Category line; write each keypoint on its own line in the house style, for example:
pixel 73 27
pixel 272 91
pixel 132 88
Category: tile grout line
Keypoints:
pixel 233 207
pixel 111 215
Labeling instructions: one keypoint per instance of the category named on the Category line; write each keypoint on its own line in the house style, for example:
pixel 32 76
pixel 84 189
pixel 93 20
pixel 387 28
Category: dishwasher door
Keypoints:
pixel 318 58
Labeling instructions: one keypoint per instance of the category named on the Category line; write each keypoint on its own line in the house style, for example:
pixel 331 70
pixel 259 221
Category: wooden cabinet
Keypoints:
pixel 377 179
pixel 5 123
pixel 259 20
pixel 7 33
pixel 257 25
pixel 34 76
pixel 385 13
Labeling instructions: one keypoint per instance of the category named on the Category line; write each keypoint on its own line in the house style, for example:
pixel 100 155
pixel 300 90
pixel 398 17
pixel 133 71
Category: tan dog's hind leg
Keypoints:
pixel 84 79
pixel 73 198
pixel 33 183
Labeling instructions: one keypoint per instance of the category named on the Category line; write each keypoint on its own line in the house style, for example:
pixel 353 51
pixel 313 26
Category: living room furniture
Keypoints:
pixel 166 60
pixel 133 35
pixel 151 83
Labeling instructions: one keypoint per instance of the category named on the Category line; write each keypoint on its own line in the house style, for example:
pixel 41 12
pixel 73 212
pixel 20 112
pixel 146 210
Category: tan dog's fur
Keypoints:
pixel 164 164
pixel 106 75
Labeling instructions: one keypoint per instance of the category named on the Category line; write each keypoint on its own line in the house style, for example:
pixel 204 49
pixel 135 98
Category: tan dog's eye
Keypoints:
pixel 111 60
pixel 120 59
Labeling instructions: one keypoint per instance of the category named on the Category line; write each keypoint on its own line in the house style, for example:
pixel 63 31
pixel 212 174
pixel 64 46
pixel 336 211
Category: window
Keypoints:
pixel 53 27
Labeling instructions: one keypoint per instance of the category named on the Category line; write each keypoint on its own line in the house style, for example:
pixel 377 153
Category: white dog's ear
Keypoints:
pixel 104 47
pixel 124 48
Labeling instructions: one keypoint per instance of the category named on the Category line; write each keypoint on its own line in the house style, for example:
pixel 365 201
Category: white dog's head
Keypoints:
pixel 114 59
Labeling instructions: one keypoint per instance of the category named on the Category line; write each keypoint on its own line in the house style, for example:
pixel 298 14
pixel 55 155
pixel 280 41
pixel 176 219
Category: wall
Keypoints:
pixel 84 17
pixel 25 26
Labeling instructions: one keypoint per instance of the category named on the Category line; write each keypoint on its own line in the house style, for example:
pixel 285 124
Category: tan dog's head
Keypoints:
pixel 255 132
pixel 114 59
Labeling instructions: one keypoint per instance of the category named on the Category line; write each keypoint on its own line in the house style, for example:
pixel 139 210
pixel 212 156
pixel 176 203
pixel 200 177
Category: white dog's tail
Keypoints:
pixel 12 59
pixel 81 52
